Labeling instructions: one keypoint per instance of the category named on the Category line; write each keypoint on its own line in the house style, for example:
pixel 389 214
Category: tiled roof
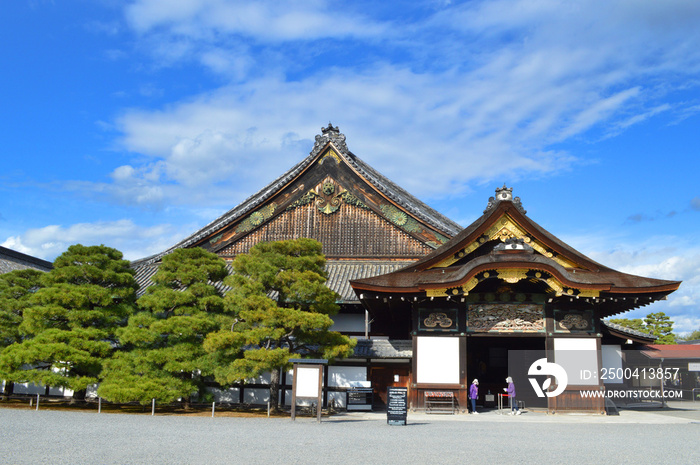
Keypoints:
pixel 144 273
pixel 340 272
pixel 11 260
pixel 404 199
pixel 673 351
pixel 630 331
pixel 384 348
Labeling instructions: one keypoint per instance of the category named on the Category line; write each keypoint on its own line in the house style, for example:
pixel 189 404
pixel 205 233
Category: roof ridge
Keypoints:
pixel 418 209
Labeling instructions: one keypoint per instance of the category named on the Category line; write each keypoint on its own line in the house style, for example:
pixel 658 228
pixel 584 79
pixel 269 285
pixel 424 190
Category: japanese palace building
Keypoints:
pixel 433 305
pixel 502 294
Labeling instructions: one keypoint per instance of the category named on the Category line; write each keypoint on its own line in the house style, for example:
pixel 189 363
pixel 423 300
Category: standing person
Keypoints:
pixel 514 410
pixel 474 394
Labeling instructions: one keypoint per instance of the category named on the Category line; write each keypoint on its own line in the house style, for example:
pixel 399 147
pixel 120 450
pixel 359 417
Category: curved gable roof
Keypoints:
pixel 331 143
pixel 536 255
pixel 506 219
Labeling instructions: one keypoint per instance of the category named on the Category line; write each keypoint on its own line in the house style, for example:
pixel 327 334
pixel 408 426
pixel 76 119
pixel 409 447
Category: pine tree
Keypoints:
pixel 70 326
pixel 693 336
pixel 282 309
pixel 162 356
pixel 16 288
pixel 655 324
pixel 636 324
pixel 661 326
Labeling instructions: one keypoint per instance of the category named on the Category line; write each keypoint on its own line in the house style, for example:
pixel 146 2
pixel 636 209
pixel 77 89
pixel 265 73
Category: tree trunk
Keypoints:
pixel 275 390
pixel 78 395
pixel 9 387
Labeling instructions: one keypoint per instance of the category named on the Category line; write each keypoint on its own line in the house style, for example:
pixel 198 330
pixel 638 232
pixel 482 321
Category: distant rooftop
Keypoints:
pixel 11 260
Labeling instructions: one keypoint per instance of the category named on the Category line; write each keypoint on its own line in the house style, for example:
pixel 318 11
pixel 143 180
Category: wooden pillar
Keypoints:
pixel 413 392
pixel 462 396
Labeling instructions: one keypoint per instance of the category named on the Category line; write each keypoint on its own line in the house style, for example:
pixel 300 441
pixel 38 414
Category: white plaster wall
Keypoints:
pixel 230 396
pixel 92 391
pixel 256 396
pixel 344 376
pixel 612 360
pixel 31 388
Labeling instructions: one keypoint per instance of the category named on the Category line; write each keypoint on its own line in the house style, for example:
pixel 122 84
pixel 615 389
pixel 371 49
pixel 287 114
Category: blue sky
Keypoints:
pixel 134 123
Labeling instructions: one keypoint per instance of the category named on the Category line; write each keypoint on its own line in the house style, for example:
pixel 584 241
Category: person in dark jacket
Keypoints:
pixel 474 394
pixel 510 390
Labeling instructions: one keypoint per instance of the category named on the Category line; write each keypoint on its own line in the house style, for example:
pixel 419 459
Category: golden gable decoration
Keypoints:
pixel 326 199
pixel 503 229
pixel 256 218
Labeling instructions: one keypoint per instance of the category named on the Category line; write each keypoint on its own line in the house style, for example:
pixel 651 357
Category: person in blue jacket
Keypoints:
pixel 510 390
pixel 474 394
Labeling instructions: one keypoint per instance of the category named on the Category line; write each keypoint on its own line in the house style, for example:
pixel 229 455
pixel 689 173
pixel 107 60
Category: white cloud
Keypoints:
pixel 132 240
pixel 494 85
pixel 669 257
pixel 683 325
pixel 638 118
pixel 238 132
pixel 265 20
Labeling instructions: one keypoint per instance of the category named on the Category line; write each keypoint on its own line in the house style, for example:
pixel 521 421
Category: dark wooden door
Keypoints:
pixel 384 377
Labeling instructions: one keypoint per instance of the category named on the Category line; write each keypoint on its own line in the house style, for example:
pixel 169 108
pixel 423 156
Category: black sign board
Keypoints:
pixel 396 405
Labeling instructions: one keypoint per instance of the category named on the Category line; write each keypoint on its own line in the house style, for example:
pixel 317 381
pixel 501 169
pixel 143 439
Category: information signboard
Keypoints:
pixel 307 382
pixel 396 405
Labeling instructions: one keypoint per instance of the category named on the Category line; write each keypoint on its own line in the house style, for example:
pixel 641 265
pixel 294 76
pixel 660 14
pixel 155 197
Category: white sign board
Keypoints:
pixel 438 360
pixel 577 356
pixel 307 381
pixel 693 366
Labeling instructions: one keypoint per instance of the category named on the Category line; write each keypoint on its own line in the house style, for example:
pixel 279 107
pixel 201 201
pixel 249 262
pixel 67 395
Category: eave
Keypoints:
pixel 408 281
pixel 625 333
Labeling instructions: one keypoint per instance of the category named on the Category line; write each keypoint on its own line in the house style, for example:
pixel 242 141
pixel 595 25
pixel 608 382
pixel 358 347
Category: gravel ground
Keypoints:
pixel 56 437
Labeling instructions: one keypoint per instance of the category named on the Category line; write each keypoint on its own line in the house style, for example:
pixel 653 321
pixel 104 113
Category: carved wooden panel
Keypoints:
pixel 506 318
pixel 438 319
pixel 571 321
pixel 351 232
